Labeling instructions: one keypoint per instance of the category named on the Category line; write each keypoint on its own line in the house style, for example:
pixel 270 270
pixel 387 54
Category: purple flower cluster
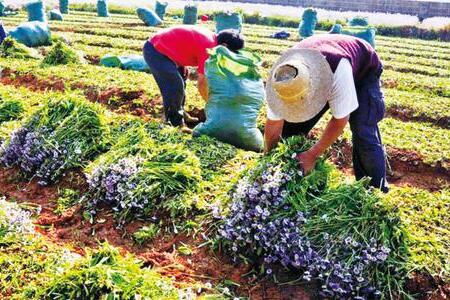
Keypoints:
pixel 114 184
pixel 30 150
pixel 263 223
pixel 14 220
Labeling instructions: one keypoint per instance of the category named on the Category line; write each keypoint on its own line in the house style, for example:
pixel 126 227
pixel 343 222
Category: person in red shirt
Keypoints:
pixel 169 51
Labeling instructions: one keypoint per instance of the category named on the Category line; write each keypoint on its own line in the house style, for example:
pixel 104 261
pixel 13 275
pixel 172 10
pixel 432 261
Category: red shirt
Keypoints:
pixel 186 45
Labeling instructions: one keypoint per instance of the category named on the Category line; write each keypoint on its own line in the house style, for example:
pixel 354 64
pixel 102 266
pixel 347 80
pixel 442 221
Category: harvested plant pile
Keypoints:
pixel 10 48
pixel 61 54
pixel 139 175
pixel 105 274
pixel 342 235
pixel 63 134
pixel 10 110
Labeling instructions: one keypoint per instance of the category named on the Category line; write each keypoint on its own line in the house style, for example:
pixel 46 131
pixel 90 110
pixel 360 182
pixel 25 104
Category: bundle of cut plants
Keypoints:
pixel 61 54
pixel 139 176
pixel 104 274
pixel 10 48
pixel 339 234
pixel 10 110
pixel 63 134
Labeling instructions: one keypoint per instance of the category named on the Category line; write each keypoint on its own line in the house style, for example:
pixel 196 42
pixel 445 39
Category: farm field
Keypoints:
pixel 54 230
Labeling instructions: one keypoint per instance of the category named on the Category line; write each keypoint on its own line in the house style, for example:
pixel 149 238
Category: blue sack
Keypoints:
pixel 2 8
pixel 236 95
pixel 282 35
pixel 36 11
pixel 64 6
pixel 336 29
pixel 190 14
pixel 160 9
pixel 131 62
pixel 102 8
pixel 55 15
pixel 228 20
pixel 308 23
pixel 32 34
pixel 148 16
pixel 365 33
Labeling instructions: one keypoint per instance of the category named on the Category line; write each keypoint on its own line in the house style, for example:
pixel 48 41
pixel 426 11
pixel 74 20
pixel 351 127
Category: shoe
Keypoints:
pixel 190 119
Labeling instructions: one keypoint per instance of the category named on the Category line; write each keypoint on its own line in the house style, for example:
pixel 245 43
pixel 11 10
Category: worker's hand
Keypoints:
pixel 307 161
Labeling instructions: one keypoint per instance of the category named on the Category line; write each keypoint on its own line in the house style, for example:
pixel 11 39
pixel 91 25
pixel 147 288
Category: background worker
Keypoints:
pixel 336 72
pixel 171 50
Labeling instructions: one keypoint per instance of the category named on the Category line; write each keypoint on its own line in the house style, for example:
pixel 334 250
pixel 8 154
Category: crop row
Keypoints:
pixel 430 141
pixel 257 32
pixel 437 85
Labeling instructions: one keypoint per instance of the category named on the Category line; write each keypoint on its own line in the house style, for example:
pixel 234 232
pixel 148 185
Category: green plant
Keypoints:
pixel 67 198
pixel 338 233
pixel 185 250
pixel 10 110
pixel 105 274
pixel 61 54
pixel 146 234
pixel 10 48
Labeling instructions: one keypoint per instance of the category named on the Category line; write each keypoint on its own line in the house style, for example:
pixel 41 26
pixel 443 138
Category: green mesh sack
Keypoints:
pixel 148 16
pixel 365 33
pixel 102 8
pixel 336 29
pixel 32 34
pixel 308 23
pixel 228 20
pixel 125 62
pixel 55 15
pixel 190 14
pixel 64 6
pixel 236 94
pixel 160 9
pixel 36 11
pixel 2 8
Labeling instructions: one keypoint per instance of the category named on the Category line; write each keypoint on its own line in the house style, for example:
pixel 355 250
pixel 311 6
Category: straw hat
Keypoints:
pixel 299 85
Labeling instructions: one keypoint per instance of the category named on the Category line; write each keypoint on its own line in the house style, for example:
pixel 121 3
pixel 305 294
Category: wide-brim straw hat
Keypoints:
pixel 299 85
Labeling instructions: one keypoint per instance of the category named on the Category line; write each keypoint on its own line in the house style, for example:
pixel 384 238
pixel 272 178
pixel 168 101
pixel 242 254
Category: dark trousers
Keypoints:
pixel 171 81
pixel 368 153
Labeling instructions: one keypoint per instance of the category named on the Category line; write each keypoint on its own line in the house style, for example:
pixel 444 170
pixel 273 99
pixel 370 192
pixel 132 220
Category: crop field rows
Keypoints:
pixel 416 83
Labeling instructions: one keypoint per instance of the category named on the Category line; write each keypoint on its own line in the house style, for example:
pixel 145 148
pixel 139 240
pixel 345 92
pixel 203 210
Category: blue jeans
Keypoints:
pixel 369 159
pixel 171 81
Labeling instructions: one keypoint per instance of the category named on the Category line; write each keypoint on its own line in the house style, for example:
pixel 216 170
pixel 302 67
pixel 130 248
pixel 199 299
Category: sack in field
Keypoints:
pixel 148 16
pixel 228 20
pixel 308 23
pixel 190 15
pixel 36 11
pixel 236 94
pixel 32 34
pixel 160 9
pixel 131 62
pixel 64 6
pixel 55 15
pixel 102 8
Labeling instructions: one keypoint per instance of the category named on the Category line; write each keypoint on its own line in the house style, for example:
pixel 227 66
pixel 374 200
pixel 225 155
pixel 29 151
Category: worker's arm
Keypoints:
pixel 202 85
pixel 272 134
pixel 333 130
